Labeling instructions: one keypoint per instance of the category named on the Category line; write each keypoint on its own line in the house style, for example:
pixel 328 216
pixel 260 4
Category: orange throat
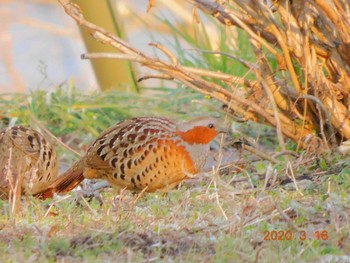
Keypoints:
pixel 198 135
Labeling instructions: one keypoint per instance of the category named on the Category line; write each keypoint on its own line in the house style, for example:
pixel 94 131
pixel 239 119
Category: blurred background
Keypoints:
pixel 41 45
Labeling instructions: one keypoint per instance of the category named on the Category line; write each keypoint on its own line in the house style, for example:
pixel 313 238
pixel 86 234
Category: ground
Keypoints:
pixel 249 211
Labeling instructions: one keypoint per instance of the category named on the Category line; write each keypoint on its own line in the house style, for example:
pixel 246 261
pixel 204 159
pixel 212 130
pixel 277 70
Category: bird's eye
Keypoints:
pixel 211 126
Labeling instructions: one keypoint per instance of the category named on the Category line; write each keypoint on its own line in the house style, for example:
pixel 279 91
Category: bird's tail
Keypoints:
pixel 65 182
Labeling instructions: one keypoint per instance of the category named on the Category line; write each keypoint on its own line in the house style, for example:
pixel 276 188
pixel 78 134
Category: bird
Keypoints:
pixel 28 162
pixel 143 154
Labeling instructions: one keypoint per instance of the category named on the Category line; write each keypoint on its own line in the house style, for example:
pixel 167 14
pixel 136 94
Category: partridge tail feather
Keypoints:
pixel 65 183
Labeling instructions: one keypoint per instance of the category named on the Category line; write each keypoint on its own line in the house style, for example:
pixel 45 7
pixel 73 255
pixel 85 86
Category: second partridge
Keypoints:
pixel 28 162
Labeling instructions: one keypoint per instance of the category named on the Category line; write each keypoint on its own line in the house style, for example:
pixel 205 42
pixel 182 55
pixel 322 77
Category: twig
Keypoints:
pixel 261 154
pixel 275 111
pixel 202 72
pixel 52 136
pixel 243 62
pixel 139 196
pixel 90 208
pixel 217 195
pixel 294 154
pixel 291 224
pixel 167 52
pixel 54 203
pixel 269 170
pixel 270 216
pixel 327 119
pixel 155 76
pixel 290 174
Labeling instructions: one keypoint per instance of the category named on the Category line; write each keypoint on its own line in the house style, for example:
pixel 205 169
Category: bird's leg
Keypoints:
pixel 92 190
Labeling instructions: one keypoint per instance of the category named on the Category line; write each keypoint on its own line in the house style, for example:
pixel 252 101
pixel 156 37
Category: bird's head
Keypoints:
pixel 201 130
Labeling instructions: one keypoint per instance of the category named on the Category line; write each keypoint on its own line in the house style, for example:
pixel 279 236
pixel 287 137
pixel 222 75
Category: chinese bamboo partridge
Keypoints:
pixel 28 162
pixel 146 152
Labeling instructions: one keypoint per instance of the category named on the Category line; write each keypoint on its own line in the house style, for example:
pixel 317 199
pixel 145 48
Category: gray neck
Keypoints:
pixel 198 153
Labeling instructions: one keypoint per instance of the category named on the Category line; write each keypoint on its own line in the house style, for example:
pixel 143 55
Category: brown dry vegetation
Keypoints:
pixel 301 76
pixel 308 89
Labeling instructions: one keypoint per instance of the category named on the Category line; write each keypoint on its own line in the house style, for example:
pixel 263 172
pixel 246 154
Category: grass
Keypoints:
pixel 221 218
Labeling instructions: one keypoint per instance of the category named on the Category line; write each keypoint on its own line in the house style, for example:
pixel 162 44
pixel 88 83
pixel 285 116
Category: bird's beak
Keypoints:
pixel 222 126
pixel 223 130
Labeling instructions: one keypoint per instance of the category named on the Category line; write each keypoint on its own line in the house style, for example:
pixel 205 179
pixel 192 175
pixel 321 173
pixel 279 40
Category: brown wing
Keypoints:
pixel 124 139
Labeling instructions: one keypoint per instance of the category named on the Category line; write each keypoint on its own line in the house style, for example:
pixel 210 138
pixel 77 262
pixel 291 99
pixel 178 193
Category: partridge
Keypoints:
pixel 28 162
pixel 145 153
